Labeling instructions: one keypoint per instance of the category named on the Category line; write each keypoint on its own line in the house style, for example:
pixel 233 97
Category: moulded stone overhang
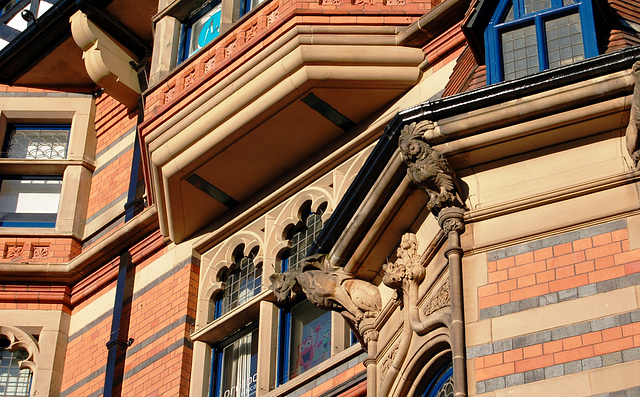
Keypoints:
pixel 253 126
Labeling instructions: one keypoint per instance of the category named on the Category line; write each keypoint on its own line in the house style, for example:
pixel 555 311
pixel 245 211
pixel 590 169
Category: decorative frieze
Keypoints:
pixel 40 252
pixel 440 300
pixel 273 16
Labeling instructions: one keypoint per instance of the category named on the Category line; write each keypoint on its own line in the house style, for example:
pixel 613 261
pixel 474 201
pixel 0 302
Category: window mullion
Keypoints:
pixel 587 24
pixel 543 59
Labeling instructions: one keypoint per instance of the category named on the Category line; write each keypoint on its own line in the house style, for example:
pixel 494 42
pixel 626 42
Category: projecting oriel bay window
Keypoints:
pixel 528 36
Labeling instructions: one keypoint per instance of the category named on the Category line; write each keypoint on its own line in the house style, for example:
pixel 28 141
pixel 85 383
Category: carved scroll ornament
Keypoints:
pixel 428 168
pixel 329 289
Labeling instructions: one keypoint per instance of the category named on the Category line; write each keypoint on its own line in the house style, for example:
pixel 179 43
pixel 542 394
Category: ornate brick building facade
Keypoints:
pixel 319 198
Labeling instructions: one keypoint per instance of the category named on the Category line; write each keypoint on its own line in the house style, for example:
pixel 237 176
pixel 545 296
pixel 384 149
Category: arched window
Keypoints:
pixel 241 282
pixel 301 237
pixel 527 36
pixel 442 384
pixel 15 377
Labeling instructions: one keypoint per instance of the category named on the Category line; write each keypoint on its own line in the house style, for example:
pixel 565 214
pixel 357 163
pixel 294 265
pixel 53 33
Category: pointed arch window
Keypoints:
pixel 527 36
pixel 301 237
pixel 241 282
pixel 15 376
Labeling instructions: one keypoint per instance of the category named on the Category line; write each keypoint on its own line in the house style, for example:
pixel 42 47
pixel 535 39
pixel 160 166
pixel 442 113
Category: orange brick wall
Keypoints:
pixel 568 266
pixel 561 267
pixel 560 351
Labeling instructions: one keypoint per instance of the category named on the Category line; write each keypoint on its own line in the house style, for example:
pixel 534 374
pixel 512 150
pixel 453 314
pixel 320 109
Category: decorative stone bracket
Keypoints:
pixel 107 62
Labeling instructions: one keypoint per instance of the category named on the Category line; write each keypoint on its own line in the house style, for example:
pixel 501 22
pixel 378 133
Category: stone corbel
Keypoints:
pixel 632 139
pixel 428 168
pixel 331 289
pixel 108 63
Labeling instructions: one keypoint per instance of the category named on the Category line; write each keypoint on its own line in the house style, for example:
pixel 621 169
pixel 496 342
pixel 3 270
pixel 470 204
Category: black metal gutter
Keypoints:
pixel 451 106
pixel 36 41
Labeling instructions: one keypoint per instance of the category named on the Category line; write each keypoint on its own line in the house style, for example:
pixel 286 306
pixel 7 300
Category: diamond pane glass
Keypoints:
pixel 302 240
pixel 564 40
pixel 243 282
pixel 531 6
pixel 519 52
pixel 509 16
pixel 37 142
pixel 14 382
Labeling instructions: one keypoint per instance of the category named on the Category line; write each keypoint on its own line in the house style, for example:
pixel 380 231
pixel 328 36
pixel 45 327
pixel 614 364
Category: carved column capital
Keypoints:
pixel 452 219
pixel 370 335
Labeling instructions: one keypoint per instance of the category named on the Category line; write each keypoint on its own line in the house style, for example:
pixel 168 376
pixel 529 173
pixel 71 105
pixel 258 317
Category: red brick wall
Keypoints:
pixel 38 249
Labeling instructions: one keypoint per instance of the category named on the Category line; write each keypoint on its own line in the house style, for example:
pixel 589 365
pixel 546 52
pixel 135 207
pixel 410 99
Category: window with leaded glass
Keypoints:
pixel 442 384
pixel 527 36
pixel 14 382
pixel 301 237
pixel 241 282
pixel 36 142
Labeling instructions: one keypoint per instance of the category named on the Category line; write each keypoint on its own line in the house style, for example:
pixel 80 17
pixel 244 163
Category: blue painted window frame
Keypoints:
pixel 217 357
pixel 27 223
pixel 493 48
pixel 436 383
pixel 185 31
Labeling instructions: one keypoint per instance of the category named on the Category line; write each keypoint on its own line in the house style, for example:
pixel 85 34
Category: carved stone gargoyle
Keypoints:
pixel 328 288
pixel 632 136
pixel 428 168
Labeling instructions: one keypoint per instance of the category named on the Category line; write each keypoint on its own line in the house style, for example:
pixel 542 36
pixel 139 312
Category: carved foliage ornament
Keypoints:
pixel 428 168
pixel 328 288
pixel 440 299
pixel 633 141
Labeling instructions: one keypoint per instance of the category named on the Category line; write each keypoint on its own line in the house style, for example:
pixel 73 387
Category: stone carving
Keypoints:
pixel 405 275
pixel 273 16
pixel 428 168
pixel 407 267
pixel 229 49
pixel 250 33
pixel 40 252
pixel 386 364
pixel 189 79
pixel 210 64
pixel 440 300
pixel 396 2
pixel 329 289
pixel 370 335
pixel 14 252
pixel 633 140
pixel 329 2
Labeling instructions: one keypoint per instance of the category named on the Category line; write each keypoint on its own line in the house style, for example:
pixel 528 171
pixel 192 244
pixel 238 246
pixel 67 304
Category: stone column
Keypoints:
pixel 451 220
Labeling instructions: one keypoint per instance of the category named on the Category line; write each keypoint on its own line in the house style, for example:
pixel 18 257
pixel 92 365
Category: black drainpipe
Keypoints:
pixel 119 340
